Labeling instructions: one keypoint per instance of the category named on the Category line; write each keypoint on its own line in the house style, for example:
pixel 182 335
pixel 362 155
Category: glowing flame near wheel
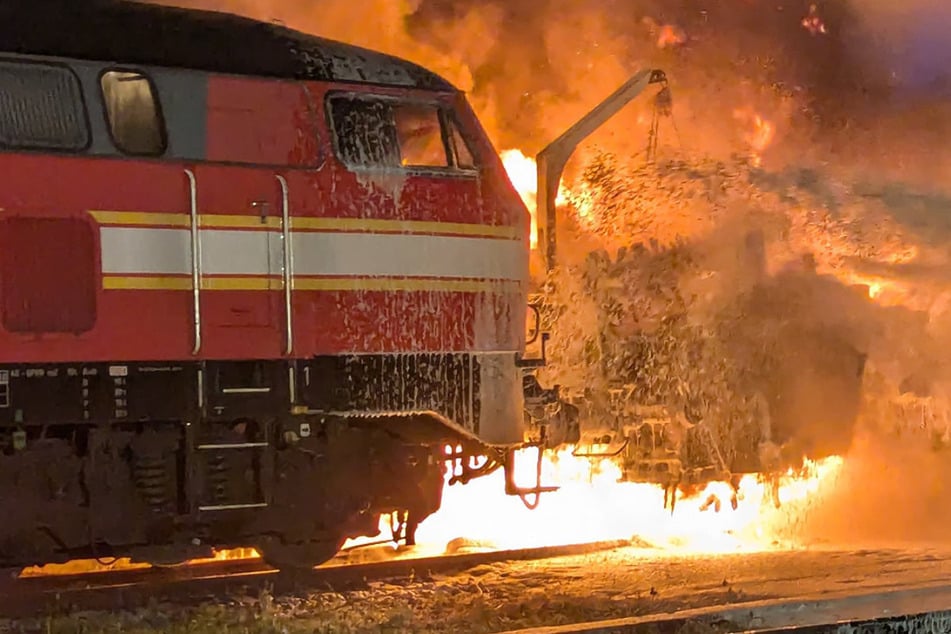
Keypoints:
pixel 593 505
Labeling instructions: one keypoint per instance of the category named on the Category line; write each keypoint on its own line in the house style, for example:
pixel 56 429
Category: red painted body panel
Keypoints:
pixel 272 123
pixel 264 122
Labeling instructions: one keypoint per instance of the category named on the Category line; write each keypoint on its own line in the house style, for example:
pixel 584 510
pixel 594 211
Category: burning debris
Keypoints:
pixel 813 23
pixel 666 35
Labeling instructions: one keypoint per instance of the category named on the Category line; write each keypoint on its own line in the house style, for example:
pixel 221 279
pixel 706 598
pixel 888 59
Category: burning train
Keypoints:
pixel 258 288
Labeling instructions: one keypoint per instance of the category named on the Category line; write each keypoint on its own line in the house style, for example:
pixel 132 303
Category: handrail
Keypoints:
pixel 196 259
pixel 288 263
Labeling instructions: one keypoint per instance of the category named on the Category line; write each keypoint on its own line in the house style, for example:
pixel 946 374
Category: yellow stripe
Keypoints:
pixel 226 221
pixel 148 219
pixel 141 218
pixel 401 284
pixel 238 222
pixel 241 284
pixel 116 282
pixel 402 226
pixel 183 283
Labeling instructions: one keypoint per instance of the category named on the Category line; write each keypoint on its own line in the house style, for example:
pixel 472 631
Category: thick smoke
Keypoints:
pixel 909 39
pixel 851 191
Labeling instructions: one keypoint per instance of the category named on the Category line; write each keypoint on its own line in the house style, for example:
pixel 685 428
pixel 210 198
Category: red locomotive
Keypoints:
pixel 253 283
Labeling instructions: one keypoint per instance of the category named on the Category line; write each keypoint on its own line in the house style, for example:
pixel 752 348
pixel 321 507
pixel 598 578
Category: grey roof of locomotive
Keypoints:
pixel 128 32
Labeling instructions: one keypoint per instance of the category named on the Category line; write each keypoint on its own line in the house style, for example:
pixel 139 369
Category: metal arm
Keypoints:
pixel 552 160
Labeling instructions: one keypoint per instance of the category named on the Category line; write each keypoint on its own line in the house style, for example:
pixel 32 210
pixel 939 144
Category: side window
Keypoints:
pixel 463 155
pixel 133 113
pixel 366 135
pixel 381 132
pixel 48 275
pixel 41 107
pixel 419 131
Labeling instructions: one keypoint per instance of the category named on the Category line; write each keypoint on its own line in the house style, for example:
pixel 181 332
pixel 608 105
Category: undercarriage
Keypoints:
pixel 652 445
pixel 108 491
pixel 163 463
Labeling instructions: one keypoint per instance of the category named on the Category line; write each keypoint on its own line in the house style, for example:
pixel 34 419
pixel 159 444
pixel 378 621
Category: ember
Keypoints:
pixel 813 23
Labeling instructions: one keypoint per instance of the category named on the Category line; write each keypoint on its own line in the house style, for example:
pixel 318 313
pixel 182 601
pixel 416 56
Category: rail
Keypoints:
pixel 288 271
pixel 30 597
pixel 196 259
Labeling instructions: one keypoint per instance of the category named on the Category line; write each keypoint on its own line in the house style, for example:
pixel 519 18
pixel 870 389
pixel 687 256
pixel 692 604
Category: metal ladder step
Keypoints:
pixel 233 446
pixel 233 507
pixel 246 390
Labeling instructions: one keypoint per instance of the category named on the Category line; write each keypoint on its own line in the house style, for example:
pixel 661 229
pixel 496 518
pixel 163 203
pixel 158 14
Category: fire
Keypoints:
pixel 84 566
pixel 523 173
pixel 670 36
pixel 592 504
pixel 666 35
pixel 760 134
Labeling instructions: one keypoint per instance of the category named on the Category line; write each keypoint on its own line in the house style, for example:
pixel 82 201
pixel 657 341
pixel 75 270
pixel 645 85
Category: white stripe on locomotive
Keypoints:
pixel 160 251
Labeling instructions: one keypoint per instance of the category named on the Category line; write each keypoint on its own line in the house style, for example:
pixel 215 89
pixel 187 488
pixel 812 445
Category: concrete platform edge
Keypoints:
pixel 930 604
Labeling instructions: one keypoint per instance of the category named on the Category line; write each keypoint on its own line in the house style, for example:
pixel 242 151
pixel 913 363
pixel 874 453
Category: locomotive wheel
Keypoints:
pixel 299 556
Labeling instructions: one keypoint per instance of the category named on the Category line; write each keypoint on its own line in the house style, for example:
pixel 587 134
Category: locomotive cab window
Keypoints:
pixel 420 136
pixel 133 112
pixel 383 133
pixel 461 152
pixel 366 136
pixel 41 108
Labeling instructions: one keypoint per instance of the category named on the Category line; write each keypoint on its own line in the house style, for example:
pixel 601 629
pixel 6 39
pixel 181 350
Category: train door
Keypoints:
pixel 239 215
pixel 256 134
pixel 237 221
pixel 258 131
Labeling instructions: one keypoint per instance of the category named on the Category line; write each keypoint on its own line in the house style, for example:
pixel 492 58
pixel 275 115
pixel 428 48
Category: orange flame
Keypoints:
pixel 670 36
pixel 84 566
pixel 593 504
pixel 760 134
pixel 522 171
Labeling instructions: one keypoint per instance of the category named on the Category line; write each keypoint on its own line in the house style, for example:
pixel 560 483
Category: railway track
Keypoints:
pixel 27 597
